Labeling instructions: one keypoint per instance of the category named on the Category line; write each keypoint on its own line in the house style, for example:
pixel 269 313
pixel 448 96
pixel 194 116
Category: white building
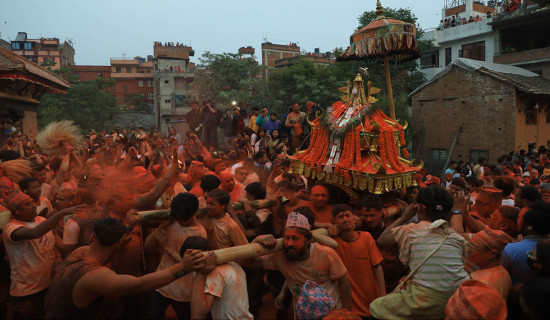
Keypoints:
pixel 474 40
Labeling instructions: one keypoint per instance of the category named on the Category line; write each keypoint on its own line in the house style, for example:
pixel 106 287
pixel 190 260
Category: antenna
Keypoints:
pixel 124 56
pixel 265 38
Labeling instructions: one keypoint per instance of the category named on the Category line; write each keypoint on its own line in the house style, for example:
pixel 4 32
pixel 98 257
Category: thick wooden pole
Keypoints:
pixel 251 250
pixel 388 85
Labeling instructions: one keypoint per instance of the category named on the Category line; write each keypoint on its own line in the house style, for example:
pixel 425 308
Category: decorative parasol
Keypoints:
pixel 384 39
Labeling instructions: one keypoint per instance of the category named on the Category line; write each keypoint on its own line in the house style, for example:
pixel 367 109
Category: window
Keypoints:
pixel 166 81
pixel 475 51
pixel 439 155
pixel 150 96
pixel 448 56
pixel 15 46
pixel 125 88
pixel 140 83
pixel 430 59
pixel 128 70
pixel 27 46
pixel 476 154
pixel 166 100
pixel 149 83
pixel 530 116
pixel 118 70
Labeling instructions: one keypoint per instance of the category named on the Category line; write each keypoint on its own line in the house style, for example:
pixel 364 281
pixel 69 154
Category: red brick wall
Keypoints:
pixel 133 88
pixel 482 106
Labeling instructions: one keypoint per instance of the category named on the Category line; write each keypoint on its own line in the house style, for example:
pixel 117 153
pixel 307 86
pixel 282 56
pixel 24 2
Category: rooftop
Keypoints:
pixel 524 80
pixel 13 66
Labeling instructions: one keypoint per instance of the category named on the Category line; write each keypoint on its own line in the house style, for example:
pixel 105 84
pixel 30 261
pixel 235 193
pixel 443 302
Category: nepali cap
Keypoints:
pixel 493 195
pixel 493 239
pixel 297 220
pixel 14 200
pixel 476 300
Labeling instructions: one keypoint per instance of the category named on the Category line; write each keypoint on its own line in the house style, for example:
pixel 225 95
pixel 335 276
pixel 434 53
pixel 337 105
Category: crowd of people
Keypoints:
pixel 80 239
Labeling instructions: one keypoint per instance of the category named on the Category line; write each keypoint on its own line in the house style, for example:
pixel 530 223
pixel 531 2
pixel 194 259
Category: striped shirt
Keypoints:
pixel 443 271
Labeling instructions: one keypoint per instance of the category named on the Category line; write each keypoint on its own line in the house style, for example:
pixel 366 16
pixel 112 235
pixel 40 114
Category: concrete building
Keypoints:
pixel 46 52
pixel 518 38
pixel 474 108
pixel 523 39
pixel 474 40
pixel 22 84
pixel 173 91
pixel 133 76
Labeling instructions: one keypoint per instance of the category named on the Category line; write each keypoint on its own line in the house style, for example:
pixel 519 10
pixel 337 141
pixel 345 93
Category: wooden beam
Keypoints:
pixel 12 96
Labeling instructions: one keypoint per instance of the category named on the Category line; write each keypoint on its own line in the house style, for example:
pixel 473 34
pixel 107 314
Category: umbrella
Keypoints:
pixel 381 40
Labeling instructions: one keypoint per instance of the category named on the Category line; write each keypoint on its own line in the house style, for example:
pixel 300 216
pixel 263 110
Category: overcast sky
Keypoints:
pixel 102 29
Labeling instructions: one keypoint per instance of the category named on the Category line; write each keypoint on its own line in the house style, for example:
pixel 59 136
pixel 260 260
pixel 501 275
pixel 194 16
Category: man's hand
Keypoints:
pixel 211 263
pixel 71 210
pixel 461 201
pixel 409 212
pixel 193 260
pixel 131 218
pixel 266 240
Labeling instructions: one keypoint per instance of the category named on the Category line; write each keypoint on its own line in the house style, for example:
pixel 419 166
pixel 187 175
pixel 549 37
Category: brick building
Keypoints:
pixel 44 51
pixel 133 77
pixel 473 109
pixel 316 58
pixel 173 77
pixel 88 73
pixel 272 52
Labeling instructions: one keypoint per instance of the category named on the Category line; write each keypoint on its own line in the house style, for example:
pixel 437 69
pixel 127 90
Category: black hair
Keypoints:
pixel 475 182
pixel 481 159
pixel 209 182
pixel 257 190
pixel 437 201
pixel 260 154
pixel 86 196
pixel 221 196
pixel 534 182
pixel 530 193
pixel 341 207
pixel 536 294
pixel 25 182
pixel 543 257
pixel 286 185
pixel 538 217
pixel 184 206
pixel 371 201
pixel 510 212
pixel 195 243
pixel 7 155
pixel 452 162
pixel 506 184
pixel 255 109
pixel 109 231
pixel 308 213
pixel 458 182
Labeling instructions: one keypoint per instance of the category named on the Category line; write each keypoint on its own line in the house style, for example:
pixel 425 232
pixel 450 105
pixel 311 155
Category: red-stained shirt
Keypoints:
pixel 359 257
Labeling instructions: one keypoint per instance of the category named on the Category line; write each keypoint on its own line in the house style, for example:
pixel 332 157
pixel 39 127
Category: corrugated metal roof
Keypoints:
pixel 524 80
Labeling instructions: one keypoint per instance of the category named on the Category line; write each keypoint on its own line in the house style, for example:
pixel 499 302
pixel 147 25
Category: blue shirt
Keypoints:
pixel 514 258
pixel 272 125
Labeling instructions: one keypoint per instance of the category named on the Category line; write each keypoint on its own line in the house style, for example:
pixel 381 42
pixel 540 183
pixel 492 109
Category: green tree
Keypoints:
pixel 88 104
pixel 228 77
pixel 66 73
pixel 137 102
pixel 304 81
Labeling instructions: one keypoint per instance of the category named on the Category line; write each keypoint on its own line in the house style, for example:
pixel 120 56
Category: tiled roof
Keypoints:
pixel 11 62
